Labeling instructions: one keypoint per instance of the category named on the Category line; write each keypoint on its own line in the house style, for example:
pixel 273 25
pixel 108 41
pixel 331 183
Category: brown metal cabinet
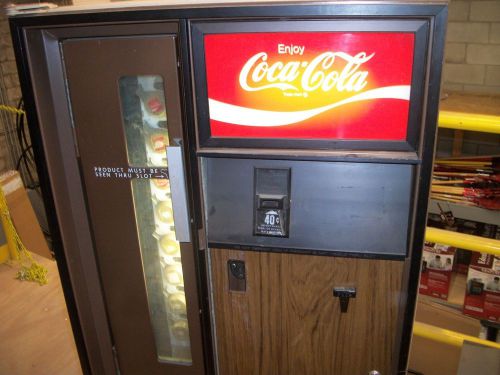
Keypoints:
pixel 236 189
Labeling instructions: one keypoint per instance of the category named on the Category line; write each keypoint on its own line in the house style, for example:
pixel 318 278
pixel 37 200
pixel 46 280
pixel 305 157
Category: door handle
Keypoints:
pixel 177 179
pixel 344 293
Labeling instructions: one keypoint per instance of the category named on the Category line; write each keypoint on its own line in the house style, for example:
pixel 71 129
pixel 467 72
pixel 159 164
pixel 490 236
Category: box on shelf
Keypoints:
pixel 482 296
pixel 462 256
pixel 437 264
pixel 22 214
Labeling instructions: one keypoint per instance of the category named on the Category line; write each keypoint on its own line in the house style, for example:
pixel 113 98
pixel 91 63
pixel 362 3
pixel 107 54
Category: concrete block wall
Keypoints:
pixel 472 55
pixel 10 92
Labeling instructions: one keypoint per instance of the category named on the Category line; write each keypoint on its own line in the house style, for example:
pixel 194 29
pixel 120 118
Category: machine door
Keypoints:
pixel 293 314
pixel 124 95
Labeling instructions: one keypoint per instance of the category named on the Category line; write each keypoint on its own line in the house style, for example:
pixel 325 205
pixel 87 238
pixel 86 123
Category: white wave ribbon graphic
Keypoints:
pixel 237 115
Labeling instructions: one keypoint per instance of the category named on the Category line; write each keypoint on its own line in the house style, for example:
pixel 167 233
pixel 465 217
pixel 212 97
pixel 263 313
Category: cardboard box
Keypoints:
pixel 22 214
pixel 437 264
pixel 463 256
pixel 482 296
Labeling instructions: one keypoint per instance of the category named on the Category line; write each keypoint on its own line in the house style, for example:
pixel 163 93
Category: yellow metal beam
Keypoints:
pixel 448 337
pixel 469 121
pixel 463 241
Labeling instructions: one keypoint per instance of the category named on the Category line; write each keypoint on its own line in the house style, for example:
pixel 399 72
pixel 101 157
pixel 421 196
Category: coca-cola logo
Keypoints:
pixel 311 85
pixel 331 70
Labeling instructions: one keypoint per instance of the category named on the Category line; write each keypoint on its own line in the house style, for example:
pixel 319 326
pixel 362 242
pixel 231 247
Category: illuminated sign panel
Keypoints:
pixel 309 85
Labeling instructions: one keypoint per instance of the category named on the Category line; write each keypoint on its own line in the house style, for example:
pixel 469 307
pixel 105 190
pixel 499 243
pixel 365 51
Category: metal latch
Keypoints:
pixel 344 293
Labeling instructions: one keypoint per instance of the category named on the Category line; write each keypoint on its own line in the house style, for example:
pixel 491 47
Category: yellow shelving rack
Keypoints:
pixel 490 123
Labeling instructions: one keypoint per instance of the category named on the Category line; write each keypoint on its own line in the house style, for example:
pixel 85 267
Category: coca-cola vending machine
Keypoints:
pixel 236 190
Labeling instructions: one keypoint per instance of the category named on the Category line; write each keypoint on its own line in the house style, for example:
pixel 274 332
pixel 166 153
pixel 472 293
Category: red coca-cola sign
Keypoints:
pixel 309 85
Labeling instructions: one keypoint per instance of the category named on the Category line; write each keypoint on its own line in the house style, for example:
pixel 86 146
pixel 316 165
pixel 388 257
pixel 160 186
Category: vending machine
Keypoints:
pixel 236 189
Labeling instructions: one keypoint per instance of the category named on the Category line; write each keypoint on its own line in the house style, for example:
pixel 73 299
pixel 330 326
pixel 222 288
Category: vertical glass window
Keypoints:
pixel 146 131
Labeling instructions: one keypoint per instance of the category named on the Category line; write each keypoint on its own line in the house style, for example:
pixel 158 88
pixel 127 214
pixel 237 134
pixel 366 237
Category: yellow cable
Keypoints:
pixel 10 109
pixel 6 224
pixel 4 251
pixel 30 269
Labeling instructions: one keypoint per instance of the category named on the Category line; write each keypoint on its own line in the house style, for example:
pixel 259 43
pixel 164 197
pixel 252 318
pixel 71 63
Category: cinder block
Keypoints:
pixel 3 55
pixel 455 52
pixel 463 73
pixel 5 40
pixel 474 32
pixel 4 26
pixel 483 54
pixel 485 11
pixel 452 87
pixel 11 81
pixel 6 54
pixel 458 11
pixel 9 67
pixel 13 94
pixel 482 89
pixel 492 76
pixel 10 54
pixel 495 33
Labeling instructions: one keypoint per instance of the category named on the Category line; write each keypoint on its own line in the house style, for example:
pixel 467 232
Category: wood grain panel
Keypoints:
pixel 248 324
pixel 288 322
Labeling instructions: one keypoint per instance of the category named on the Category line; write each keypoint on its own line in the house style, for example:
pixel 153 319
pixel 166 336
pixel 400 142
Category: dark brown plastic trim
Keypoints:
pixel 414 25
